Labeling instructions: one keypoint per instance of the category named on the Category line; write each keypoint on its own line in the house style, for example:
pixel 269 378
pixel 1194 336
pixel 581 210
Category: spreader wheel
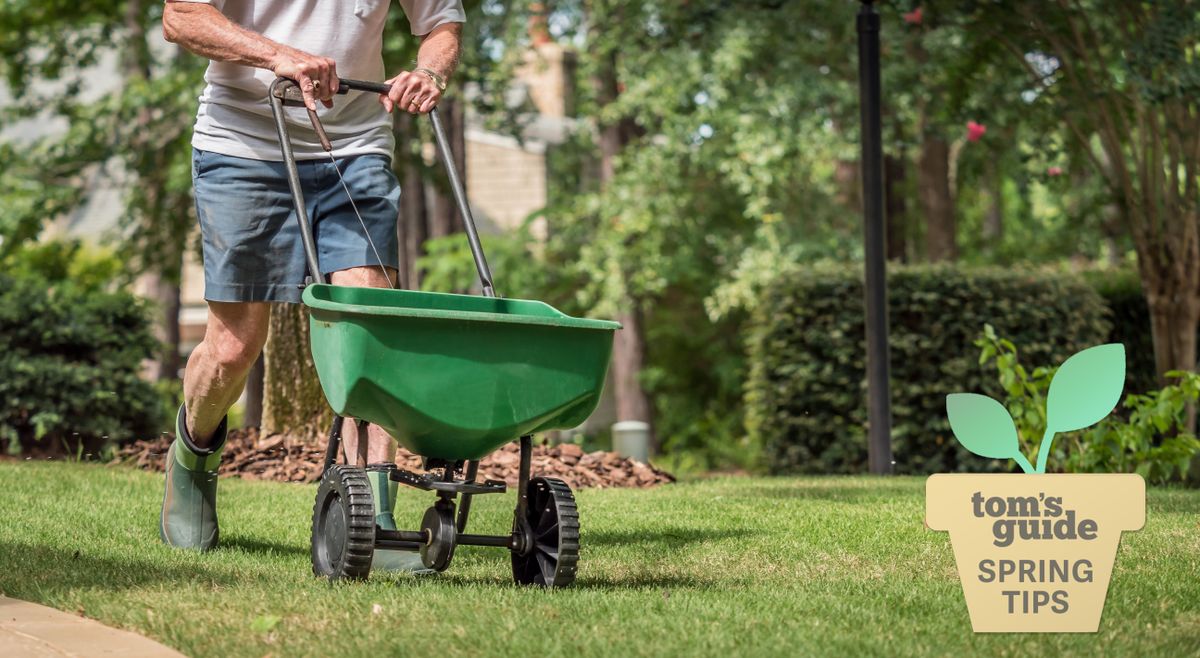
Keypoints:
pixel 549 551
pixel 343 528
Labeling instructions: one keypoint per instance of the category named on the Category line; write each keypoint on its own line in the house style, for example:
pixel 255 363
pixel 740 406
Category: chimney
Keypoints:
pixel 549 69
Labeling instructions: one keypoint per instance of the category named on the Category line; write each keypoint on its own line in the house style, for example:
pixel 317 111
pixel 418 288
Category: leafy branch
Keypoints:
pixel 1083 390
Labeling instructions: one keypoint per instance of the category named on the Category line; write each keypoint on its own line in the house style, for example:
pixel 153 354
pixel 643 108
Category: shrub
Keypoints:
pixel 1154 442
pixel 1149 435
pixel 70 355
pixel 806 390
pixel 693 374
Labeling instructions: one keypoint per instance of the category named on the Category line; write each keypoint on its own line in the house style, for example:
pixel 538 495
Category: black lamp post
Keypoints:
pixel 879 405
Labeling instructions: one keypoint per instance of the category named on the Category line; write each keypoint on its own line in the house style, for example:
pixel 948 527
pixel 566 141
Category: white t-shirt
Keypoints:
pixel 235 116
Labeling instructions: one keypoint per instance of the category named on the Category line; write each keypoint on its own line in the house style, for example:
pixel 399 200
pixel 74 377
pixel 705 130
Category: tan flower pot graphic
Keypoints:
pixel 1035 552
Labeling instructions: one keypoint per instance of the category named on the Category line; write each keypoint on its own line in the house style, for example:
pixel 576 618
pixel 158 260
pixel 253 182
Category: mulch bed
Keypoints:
pixel 283 459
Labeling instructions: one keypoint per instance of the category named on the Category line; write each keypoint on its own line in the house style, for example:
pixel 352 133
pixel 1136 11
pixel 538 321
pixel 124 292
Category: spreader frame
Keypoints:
pixel 547 558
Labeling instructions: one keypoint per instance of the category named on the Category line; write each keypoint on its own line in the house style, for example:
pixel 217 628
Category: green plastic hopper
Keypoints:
pixel 455 376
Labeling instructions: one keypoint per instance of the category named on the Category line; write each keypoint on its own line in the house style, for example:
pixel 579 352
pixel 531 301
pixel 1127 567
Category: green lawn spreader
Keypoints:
pixel 452 378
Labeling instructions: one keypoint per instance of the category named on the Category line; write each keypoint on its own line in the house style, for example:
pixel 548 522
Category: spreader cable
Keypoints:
pixel 328 146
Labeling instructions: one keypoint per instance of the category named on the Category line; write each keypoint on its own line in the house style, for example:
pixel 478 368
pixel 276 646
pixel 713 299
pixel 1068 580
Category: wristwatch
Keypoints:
pixel 438 80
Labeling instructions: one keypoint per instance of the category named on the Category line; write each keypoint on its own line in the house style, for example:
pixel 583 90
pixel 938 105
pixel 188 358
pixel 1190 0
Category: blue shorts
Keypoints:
pixel 252 247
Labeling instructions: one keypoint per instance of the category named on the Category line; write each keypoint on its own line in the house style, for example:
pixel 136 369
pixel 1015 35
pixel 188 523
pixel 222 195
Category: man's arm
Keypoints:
pixel 417 92
pixel 204 30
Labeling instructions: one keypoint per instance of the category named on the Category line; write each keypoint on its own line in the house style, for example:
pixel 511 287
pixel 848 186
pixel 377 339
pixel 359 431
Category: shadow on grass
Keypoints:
pixel 262 547
pixel 647 581
pixel 629 582
pixel 835 492
pixel 53 568
pixel 672 537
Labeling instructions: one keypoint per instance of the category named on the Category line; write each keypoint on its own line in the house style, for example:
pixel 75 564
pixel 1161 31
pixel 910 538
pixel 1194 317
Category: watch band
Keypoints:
pixel 438 80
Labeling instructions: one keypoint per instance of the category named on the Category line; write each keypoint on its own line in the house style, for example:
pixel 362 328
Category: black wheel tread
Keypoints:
pixel 548 495
pixel 351 485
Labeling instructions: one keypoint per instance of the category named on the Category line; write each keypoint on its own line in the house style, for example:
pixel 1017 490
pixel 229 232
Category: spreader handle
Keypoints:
pixel 460 196
pixel 347 84
pixel 278 97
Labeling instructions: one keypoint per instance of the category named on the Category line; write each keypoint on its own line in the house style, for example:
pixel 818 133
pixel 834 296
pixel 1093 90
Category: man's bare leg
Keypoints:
pixel 216 373
pixel 217 369
pixel 381 448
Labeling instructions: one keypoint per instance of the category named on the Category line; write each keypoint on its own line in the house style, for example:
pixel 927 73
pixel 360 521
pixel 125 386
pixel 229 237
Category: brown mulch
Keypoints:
pixel 278 457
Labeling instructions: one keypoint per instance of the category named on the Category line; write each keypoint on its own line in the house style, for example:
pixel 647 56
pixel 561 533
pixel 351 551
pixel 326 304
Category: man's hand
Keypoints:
pixel 317 76
pixel 415 93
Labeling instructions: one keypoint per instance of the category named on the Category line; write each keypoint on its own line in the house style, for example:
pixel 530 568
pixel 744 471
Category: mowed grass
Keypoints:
pixel 797 566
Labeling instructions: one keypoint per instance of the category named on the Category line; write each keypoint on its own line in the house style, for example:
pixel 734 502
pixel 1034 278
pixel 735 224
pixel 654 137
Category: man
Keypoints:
pixel 252 249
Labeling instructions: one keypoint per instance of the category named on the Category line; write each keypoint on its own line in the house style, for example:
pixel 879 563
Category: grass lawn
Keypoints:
pixel 798 566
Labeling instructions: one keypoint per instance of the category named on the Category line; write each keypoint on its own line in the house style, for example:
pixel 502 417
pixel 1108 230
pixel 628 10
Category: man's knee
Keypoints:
pixel 365 277
pixel 236 334
pixel 234 354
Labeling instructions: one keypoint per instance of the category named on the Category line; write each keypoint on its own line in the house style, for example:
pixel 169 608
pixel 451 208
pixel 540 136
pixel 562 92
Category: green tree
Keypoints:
pixel 715 148
pixel 704 130
pixel 137 134
pixel 1124 79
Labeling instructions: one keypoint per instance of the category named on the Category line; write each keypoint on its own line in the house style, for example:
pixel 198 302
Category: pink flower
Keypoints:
pixel 975 131
pixel 914 17
pixel 1054 171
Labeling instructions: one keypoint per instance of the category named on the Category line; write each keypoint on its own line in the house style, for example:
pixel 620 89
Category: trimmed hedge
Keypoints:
pixel 70 358
pixel 806 391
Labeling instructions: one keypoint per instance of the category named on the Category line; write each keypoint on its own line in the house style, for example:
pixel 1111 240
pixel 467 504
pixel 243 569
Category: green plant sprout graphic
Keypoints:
pixel 1085 389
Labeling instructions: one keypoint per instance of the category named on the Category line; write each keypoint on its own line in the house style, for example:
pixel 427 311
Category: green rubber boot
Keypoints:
pixel 189 509
pixel 383 492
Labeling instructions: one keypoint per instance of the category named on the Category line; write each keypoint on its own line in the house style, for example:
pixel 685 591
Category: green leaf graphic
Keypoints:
pixel 982 425
pixel 1086 388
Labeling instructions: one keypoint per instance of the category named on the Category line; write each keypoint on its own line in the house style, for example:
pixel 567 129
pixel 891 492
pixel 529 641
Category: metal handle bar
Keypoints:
pixel 347 84
pixel 460 198
pixel 278 96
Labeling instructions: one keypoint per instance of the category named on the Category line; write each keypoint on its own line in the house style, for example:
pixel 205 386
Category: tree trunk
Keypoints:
pixel 1174 314
pixel 412 226
pixel 934 195
pixel 629 356
pixel 252 417
pixel 895 171
pixel 846 181
pixel 135 56
pixel 292 400
pixel 166 296
pixel 1174 329
pixel 937 201
pixel 993 218
pixel 1174 304
pixel 629 346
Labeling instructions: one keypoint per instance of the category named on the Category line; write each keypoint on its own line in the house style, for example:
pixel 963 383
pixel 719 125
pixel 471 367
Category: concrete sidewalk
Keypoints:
pixel 27 629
